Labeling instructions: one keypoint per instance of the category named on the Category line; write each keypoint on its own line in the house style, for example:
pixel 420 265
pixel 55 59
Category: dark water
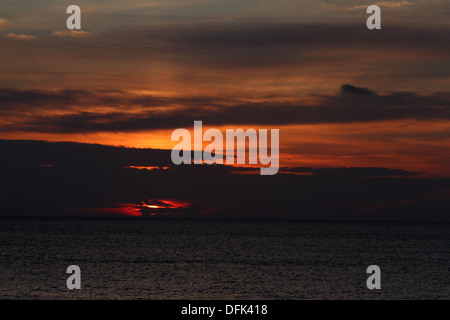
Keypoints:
pixel 197 259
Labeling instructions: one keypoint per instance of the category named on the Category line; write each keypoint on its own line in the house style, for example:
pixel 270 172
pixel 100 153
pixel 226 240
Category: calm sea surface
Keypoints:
pixel 134 258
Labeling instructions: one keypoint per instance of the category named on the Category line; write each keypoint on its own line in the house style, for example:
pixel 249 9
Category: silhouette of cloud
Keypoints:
pixel 351 172
pixel 42 178
pixel 348 88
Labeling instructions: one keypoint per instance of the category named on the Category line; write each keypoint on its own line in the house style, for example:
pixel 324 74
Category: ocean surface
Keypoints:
pixel 136 258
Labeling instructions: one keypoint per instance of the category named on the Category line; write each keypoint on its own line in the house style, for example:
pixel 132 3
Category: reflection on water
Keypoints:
pixel 132 258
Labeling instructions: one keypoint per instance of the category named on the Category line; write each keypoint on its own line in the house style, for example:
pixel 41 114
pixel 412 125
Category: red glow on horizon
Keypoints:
pixel 153 207
pixel 123 209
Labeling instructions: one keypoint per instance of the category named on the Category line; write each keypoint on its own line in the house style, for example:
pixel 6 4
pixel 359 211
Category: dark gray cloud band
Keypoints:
pixel 353 104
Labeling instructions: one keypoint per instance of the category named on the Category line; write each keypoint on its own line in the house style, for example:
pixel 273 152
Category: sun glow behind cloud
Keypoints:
pixel 152 208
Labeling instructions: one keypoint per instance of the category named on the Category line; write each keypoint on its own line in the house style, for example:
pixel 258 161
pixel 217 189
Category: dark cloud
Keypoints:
pixel 29 99
pixel 71 187
pixel 29 153
pixel 249 44
pixel 348 88
pixel 12 100
pixel 279 35
pixel 26 100
pixel 339 172
pixel 351 172
pixel 354 104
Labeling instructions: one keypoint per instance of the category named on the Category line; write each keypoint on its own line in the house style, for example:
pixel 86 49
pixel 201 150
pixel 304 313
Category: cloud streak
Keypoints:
pixel 72 33
pixel 19 36
pixel 353 104
pixel 257 51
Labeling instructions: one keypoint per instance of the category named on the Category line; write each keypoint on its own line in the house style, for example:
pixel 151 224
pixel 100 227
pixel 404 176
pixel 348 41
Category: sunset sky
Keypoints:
pixel 139 69
pixel 341 95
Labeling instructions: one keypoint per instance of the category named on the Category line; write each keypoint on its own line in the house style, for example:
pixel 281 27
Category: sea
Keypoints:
pixel 164 259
